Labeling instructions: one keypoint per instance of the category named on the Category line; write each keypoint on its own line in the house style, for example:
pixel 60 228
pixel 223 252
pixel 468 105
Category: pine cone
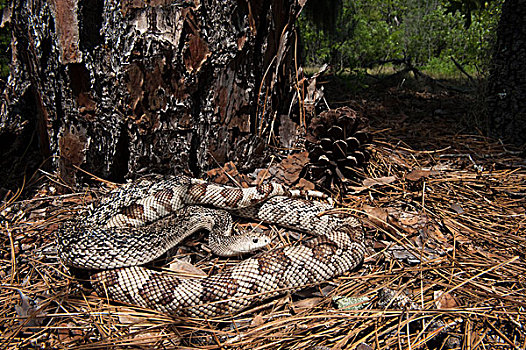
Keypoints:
pixel 336 142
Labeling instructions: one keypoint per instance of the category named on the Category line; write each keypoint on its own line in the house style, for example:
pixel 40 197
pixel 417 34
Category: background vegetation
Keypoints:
pixel 5 47
pixel 427 33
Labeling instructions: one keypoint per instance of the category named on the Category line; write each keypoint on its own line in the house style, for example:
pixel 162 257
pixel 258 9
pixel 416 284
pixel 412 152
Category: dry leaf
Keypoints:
pixel 228 174
pixel 127 316
pixel 185 268
pixel 417 174
pixel 305 184
pixel 378 181
pixel 80 199
pixel 308 303
pixel 251 226
pixel 28 311
pixel 287 171
pixel 257 321
pixel 369 182
pixel 444 300
pixel 356 189
pixel 410 219
pixel 402 254
pixel 363 346
pixel 69 332
pixel 456 208
pixel 377 216
pixel 434 232
pixel 324 291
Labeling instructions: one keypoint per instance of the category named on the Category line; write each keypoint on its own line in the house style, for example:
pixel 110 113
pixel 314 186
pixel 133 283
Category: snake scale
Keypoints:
pixel 141 221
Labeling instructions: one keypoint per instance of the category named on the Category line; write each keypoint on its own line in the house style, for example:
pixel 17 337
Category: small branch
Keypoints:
pixel 460 68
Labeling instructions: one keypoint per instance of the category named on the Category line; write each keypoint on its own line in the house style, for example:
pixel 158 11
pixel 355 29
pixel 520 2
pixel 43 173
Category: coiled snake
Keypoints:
pixel 140 221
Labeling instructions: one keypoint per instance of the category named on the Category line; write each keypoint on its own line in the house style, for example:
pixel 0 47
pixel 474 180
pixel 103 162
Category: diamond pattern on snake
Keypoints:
pixel 139 222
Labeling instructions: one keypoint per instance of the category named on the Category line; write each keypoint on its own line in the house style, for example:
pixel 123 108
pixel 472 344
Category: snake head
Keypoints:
pixel 244 243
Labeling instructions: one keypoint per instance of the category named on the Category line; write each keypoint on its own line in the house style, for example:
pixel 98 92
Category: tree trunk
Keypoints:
pixel 507 81
pixel 118 88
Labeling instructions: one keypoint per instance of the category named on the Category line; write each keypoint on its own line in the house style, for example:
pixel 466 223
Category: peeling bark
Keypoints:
pixel 130 87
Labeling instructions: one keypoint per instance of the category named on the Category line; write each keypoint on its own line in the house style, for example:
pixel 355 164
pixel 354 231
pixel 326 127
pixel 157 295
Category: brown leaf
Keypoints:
pixel 305 184
pixel 417 174
pixel 357 189
pixel 228 174
pixel 378 181
pixel 127 316
pixel 287 171
pixel 402 254
pixel 257 321
pixel 186 268
pixel 29 311
pixel 323 291
pixel 376 215
pixel 308 303
pixel 368 183
pixel 80 199
pixel 414 222
pixel 69 332
pixel 410 220
pixel 363 346
pixel 379 245
pixel 444 300
pixel 249 226
pixel 456 208
pixel 433 231
pixel 263 174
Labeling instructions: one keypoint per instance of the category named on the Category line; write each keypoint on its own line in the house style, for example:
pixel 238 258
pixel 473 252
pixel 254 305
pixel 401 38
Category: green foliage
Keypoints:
pixel 466 8
pixel 425 32
pixel 5 48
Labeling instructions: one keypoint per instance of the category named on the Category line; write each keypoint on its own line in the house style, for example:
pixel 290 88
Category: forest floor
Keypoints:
pixel 444 212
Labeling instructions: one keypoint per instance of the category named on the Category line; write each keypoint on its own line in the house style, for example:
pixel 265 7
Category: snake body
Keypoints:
pixel 140 221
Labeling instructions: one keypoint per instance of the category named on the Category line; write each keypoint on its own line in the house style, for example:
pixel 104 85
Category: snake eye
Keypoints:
pixel 255 240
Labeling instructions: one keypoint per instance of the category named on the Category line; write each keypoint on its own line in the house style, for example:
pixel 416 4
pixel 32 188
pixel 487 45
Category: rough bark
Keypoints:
pixel 120 88
pixel 507 82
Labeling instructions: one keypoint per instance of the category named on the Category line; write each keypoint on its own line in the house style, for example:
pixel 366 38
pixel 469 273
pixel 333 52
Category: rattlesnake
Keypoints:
pixel 140 221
